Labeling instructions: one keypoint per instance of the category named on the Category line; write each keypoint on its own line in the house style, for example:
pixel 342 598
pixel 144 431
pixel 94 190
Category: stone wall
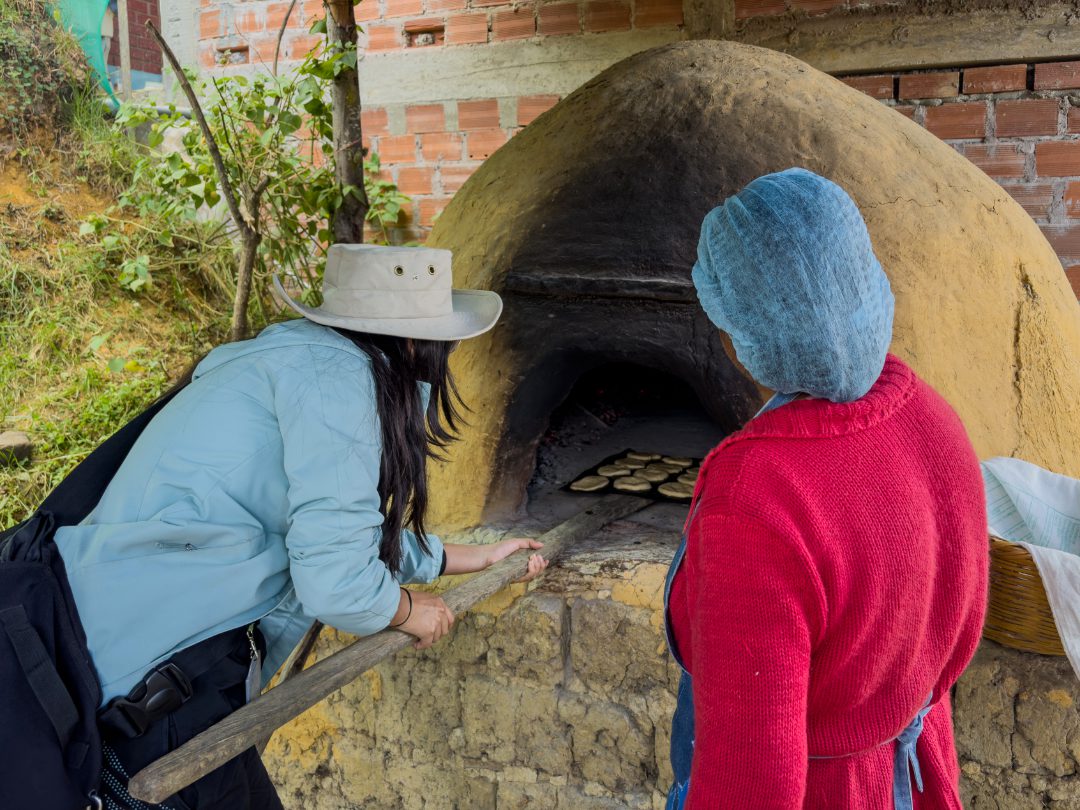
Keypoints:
pixel 557 698
pixel 1018 731
pixel 560 697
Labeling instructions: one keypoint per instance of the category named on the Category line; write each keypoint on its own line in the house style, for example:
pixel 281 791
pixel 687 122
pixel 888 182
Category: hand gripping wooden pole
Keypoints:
pixel 258 719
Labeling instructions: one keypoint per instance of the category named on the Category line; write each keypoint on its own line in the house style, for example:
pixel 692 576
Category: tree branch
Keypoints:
pixel 227 190
pixel 281 33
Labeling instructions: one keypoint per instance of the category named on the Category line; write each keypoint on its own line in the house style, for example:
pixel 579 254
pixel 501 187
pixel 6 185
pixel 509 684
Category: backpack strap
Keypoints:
pixel 40 670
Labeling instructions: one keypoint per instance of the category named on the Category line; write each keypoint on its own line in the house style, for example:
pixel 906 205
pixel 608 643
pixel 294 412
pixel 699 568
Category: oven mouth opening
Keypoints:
pixel 612 408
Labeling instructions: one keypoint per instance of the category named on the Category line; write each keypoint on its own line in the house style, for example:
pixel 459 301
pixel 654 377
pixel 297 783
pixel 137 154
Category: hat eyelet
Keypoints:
pixel 399 270
pixel 431 269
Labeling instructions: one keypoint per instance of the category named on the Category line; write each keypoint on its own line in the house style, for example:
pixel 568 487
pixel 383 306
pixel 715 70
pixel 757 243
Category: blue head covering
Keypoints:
pixel 786 268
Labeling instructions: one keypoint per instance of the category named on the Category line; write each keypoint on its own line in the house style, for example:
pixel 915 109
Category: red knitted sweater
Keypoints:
pixel 835 575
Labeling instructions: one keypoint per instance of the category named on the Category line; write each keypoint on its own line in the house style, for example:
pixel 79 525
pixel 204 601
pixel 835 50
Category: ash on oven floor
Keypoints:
pixel 648 474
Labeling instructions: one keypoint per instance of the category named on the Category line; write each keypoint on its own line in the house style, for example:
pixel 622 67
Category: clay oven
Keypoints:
pixel 587 224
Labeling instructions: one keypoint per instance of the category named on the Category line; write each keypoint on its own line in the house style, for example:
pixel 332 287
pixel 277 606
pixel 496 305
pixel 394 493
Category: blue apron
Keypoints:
pixel 905 761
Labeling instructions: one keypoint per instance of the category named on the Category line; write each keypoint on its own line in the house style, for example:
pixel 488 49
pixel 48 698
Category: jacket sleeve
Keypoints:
pixel 755 611
pixel 416 565
pixel 325 405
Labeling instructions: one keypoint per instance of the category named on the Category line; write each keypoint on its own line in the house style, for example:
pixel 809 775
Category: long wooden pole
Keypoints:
pixel 246 726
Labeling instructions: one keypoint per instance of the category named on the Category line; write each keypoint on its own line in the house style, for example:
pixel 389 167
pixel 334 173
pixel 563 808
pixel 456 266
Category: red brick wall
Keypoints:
pixel 1015 122
pixel 431 162
pixel 431 157
pixel 145 54
pixel 252 25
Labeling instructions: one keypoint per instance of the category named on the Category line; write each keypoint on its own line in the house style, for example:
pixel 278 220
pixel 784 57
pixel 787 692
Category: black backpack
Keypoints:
pixel 50 748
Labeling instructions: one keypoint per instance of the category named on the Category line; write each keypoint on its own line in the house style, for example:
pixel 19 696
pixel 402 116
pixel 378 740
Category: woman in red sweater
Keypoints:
pixel 832 582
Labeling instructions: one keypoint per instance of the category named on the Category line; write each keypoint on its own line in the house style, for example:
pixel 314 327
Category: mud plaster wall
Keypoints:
pixel 560 698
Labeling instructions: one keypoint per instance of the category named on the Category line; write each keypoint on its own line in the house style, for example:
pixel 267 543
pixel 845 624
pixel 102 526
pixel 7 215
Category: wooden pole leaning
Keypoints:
pixel 258 719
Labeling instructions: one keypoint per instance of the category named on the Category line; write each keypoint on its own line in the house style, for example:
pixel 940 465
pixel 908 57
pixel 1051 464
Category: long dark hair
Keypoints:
pixel 411 435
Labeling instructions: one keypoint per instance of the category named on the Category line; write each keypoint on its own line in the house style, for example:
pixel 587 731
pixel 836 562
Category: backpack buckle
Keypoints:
pixel 165 689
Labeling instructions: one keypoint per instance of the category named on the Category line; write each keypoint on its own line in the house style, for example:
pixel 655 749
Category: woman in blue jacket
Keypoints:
pixel 285 483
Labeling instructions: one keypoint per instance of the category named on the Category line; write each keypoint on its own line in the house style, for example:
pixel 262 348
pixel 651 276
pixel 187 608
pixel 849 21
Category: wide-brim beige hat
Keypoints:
pixel 398 291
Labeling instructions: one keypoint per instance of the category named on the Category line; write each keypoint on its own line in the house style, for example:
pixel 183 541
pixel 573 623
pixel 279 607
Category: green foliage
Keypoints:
pixel 272 130
pixel 105 399
pixel 42 67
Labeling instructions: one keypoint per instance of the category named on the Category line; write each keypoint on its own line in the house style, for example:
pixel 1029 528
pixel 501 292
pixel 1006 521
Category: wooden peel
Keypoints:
pixel 257 720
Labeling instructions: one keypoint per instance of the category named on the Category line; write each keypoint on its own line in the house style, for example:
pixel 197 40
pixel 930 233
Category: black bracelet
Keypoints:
pixel 407 615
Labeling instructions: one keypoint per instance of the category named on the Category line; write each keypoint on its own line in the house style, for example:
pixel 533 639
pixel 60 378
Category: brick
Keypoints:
pixel 957 120
pixel 300 45
pixel 397 148
pixel 464 29
pixel 816 6
pixel 906 110
pixel 1057 76
pixel 248 22
pixel 415 180
pixel 482 143
pixel 314 10
pixel 1065 240
pixel 758 8
pixel 374 121
pixel 431 208
pixel 383 37
pixel 452 178
pixel 516 24
pixel 403 8
pixel 1074 120
pixel 1072 200
pixel 1000 79
pixel 656 13
pixel 368 11
pixel 1027 117
pixel 209 24
pixel 261 49
pixel 529 108
pixel 425 118
pixel 873 86
pixel 1073 275
pixel 607 15
pixel 483 114
pixel 1057 158
pixel 445 5
pixel 208 57
pixel 436 146
pixel 559 18
pixel 1035 198
pixel 930 85
pixel 275 16
pixel 999 160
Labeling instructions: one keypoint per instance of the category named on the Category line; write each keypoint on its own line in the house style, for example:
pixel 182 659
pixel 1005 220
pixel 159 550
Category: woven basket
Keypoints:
pixel 1019 615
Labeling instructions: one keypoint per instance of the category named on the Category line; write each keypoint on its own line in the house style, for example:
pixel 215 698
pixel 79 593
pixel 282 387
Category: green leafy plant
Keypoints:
pixel 275 134
pixel 41 65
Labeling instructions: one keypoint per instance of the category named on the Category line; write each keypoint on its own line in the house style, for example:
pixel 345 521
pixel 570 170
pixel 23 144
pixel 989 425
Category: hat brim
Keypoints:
pixel 475 312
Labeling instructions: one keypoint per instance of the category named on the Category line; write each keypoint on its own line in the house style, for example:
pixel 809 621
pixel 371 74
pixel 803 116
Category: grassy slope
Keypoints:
pixel 63 318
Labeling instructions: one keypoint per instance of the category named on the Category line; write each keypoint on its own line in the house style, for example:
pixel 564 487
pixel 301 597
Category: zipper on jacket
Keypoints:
pixel 176 546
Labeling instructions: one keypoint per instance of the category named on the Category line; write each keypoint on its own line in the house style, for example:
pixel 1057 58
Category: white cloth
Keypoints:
pixel 1041 510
